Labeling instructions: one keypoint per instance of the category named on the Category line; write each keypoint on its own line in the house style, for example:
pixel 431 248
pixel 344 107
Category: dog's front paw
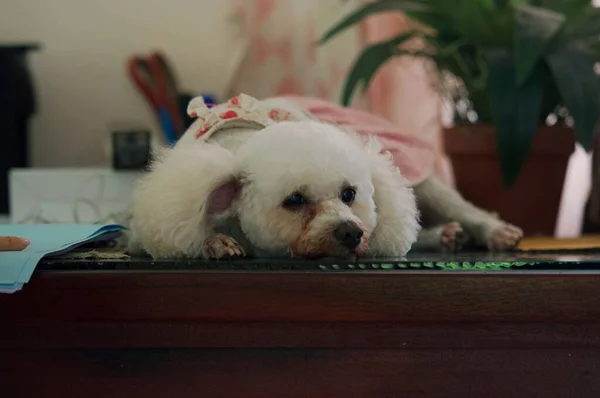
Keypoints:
pixel 453 237
pixel 506 237
pixel 221 246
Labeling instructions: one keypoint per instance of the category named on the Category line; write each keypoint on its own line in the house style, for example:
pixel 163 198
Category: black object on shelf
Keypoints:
pixel 131 150
pixel 17 105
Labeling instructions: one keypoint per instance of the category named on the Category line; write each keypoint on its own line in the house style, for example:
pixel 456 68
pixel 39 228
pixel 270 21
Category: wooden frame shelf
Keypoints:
pixel 302 333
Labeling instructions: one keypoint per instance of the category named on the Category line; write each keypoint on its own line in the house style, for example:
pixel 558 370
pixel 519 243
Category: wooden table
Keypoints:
pixel 148 329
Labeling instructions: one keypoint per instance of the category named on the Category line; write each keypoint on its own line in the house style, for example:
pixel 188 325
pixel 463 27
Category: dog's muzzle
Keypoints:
pixel 329 235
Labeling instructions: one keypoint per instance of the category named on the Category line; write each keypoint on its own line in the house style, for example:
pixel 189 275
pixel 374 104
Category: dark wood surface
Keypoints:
pixel 302 333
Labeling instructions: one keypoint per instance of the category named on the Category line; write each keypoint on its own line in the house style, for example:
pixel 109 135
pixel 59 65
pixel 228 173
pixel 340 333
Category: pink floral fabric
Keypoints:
pixel 412 155
pixel 239 111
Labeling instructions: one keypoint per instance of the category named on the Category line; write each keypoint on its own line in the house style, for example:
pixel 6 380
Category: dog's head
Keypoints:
pixel 304 188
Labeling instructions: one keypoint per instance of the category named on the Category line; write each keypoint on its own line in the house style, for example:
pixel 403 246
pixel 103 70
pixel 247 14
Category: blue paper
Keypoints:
pixel 46 239
pixel 8 289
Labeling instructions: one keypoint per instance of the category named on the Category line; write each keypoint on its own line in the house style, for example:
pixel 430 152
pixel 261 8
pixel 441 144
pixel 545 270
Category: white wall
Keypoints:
pixel 575 191
pixel 80 74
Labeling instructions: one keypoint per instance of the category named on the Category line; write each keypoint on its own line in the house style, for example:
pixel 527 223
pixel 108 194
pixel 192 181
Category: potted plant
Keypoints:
pixel 518 61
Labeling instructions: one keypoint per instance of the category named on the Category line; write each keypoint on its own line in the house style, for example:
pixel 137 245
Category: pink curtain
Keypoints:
pixel 281 56
pixel 403 89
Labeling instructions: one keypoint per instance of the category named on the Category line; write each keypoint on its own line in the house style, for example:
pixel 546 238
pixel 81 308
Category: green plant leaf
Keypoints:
pixel 535 27
pixel 474 20
pixel 374 8
pixel 465 62
pixel 585 28
pixel 516 2
pixel 573 71
pixel 488 4
pixel 569 8
pixel 594 49
pixel 516 112
pixel 369 62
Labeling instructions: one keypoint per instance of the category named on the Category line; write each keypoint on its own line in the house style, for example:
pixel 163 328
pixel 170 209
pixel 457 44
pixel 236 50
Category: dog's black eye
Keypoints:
pixel 347 196
pixel 294 201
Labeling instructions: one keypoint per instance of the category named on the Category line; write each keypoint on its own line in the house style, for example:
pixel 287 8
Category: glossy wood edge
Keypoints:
pixel 304 297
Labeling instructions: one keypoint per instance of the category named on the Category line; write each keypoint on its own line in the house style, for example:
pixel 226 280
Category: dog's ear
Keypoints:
pixel 397 215
pixel 175 203
pixel 222 198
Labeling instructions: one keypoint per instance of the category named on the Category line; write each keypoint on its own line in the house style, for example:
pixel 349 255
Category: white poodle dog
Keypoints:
pixel 265 178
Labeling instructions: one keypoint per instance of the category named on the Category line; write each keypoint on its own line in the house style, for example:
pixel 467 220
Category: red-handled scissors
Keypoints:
pixel 156 81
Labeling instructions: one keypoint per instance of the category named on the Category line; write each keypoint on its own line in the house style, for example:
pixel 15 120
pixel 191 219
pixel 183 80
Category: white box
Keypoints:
pixel 78 195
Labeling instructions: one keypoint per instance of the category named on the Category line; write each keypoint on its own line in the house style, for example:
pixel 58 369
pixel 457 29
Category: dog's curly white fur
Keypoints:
pixel 243 177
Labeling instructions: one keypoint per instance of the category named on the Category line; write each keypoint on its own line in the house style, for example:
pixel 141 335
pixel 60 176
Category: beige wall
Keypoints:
pixel 80 75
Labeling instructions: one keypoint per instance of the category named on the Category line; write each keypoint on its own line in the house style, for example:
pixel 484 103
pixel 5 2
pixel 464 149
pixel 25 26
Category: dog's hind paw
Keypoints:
pixel 507 237
pixel 221 246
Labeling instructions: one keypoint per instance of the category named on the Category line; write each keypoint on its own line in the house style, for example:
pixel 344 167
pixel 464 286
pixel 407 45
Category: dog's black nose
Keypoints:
pixel 348 234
